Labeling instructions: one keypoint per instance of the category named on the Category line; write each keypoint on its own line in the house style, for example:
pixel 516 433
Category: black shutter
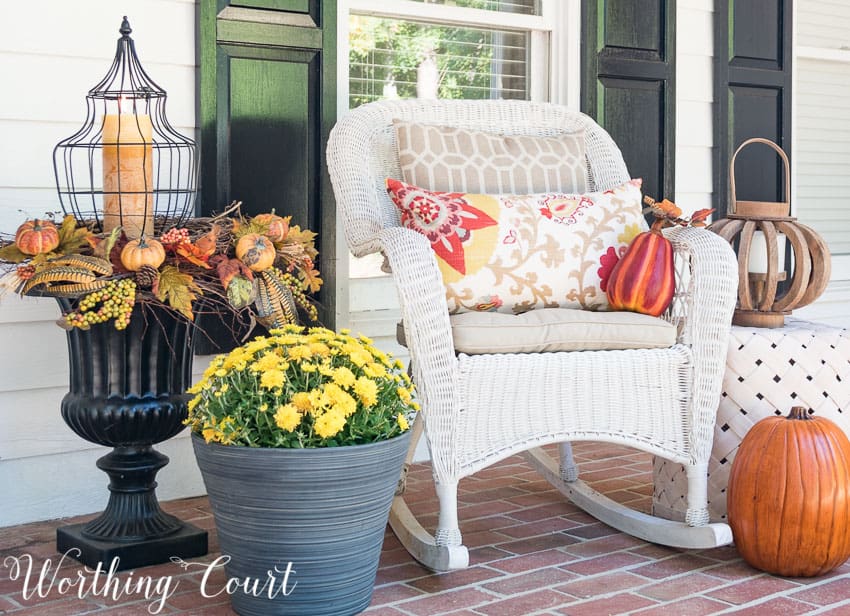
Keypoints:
pixel 752 92
pixel 628 65
pixel 267 104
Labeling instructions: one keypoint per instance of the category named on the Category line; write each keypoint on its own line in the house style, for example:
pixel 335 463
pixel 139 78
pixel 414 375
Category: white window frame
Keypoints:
pixel 554 49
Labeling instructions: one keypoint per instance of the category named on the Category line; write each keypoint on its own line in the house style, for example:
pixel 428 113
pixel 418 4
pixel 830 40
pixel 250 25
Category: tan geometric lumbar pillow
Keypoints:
pixel 452 159
pixel 514 253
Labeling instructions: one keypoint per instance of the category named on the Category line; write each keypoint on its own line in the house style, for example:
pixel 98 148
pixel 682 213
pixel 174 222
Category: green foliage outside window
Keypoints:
pixel 471 63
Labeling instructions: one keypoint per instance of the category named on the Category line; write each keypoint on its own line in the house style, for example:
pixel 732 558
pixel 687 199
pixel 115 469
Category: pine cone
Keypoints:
pixel 146 276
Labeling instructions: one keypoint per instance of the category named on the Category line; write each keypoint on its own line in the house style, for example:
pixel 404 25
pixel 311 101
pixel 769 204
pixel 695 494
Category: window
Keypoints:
pixel 455 49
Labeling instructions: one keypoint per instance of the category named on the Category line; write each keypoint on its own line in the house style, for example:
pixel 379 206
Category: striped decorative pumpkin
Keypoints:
pixel 789 495
pixel 643 279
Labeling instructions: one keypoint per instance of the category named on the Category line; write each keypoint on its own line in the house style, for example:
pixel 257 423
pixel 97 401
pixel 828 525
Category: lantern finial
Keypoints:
pixel 125 28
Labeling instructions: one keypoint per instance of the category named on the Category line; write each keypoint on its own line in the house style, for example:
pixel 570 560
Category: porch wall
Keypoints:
pixel 54 52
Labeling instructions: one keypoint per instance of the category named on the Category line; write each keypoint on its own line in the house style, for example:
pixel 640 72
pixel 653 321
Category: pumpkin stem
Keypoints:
pixel 658 225
pixel 799 412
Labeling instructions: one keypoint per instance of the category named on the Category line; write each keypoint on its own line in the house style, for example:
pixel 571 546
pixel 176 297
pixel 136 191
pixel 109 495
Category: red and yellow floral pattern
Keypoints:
pixel 513 253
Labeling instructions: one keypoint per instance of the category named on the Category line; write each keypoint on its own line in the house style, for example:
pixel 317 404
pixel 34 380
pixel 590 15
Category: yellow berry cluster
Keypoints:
pixel 114 301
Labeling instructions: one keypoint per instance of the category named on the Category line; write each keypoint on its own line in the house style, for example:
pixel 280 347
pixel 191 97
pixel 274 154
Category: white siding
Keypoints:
pixel 821 154
pixel 694 99
pixel 51 53
pixel 823 23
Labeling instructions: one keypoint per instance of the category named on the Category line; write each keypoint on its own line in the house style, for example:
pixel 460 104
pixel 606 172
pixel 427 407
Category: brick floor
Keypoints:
pixel 531 554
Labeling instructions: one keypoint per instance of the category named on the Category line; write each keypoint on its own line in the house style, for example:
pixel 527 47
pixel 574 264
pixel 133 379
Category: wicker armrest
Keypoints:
pixel 705 299
pixel 426 323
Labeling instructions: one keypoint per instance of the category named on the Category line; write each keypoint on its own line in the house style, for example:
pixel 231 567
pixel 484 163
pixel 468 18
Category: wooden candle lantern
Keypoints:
pixel 760 231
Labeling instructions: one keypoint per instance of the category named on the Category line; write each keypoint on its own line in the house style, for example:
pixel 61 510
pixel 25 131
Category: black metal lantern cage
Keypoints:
pixel 127 165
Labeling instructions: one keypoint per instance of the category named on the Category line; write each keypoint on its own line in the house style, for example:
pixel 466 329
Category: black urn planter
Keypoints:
pixel 127 392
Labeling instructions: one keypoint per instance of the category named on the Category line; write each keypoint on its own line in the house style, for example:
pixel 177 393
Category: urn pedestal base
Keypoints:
pixel 188 542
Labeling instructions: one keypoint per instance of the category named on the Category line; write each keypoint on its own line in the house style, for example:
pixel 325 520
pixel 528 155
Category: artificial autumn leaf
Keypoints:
pixel 103 245
pixel 12 254
pixel 228 268
pixel 698 217
pixel 178 289
pixel 72 238
pixel 192 254
pixel 305 238
pixel 206 244
pixel 311 279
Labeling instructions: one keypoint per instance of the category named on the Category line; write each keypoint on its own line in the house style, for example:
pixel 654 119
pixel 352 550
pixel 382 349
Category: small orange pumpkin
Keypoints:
pixel 35 237
pixel 788 498
pixel 278 226
pixel 644 279
pixel 143 251
pixel 256 251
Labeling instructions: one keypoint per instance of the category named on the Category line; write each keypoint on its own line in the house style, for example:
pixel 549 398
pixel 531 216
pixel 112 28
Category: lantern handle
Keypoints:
pixel 761 208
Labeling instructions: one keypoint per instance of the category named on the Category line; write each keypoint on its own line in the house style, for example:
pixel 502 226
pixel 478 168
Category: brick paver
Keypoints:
pixel 531 554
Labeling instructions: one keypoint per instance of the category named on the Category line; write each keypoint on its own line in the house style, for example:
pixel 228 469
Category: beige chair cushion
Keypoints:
pixel 557 329
pixel 457 160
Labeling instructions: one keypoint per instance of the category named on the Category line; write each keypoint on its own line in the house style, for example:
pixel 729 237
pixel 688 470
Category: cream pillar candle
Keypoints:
pixel 758 253
pixel 128 169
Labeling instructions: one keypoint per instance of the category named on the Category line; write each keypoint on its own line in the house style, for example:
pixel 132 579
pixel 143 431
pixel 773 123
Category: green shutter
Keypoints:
pixel 268 101
pixel 628 83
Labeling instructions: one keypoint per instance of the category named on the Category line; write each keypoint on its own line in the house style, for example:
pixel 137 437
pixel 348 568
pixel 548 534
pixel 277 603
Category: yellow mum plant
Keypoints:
pixel 300 388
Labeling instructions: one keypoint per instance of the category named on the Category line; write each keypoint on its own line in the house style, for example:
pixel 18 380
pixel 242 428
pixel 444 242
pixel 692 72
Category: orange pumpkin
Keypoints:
pixel 35 237
pixel 143 251
pixel 788 498
pixel 256 251
pixel 278 226
pixel 643 280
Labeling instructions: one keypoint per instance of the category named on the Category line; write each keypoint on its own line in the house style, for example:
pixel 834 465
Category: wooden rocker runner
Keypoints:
pixel 471 403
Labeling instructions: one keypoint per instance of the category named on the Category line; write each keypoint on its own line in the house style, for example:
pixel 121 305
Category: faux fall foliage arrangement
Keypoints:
pixel 261 267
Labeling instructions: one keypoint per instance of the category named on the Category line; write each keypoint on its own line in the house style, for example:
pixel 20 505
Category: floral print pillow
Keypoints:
pixel 514 253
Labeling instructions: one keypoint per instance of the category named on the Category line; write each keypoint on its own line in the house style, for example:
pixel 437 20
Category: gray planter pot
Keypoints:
pixel 322 510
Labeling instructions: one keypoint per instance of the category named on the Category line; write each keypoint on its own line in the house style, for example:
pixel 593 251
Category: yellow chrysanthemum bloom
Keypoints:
pixel 325 369
pixel 320 348
pixel 210 435
pixel 360 357
pixel 272 379
pixel 300 351
pixel 193 403
pixel 376 371
pixel 366 390
pixel 224 387
pixel 345 404
pixel 317 399
pixel 196 388
pixel 404 394
pixel 308 367
pixel 287 417
pixel 263 407
pixel 269 361
pixel 402 421
pixel 329 424
pixel 220 372
pixel 344 377
pixel 301 401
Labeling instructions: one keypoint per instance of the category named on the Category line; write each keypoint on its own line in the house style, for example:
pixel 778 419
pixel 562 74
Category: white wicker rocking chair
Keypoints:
pixel 661 401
